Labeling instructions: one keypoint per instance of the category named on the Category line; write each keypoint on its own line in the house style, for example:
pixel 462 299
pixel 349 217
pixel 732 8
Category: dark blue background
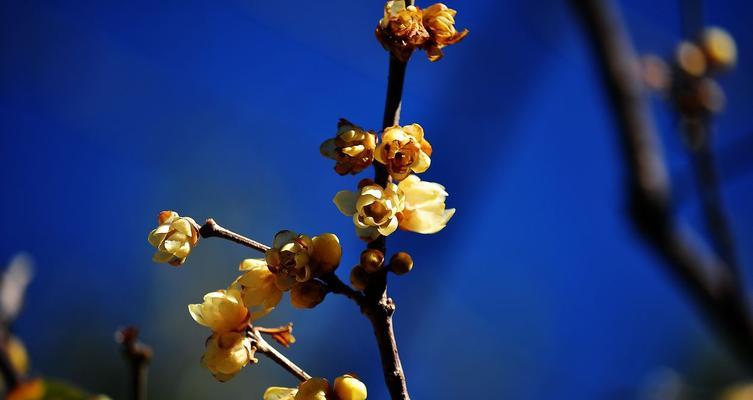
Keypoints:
pixel 538 288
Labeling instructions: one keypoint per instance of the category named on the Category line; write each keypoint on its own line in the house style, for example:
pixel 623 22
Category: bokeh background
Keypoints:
pixel 538 288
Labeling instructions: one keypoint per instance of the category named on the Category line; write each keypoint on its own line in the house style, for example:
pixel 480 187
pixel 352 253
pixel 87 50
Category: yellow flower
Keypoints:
pixel 258 287
pixel 174 238
pixel 352 148
pixel 424 210
pixel 374 209
pixel 401 30
pixel 299 258
pixel 226 354
pixel 347 387
pixel 404 149
pixel 222 311
pixel 440 22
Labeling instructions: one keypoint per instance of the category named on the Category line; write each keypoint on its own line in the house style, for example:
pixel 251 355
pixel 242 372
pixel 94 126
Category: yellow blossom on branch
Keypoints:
pixel 352 148
pixel 374 209
pixel 413 205
pixel 174 238
pixel 258 287
pixel 404 29
pixel 401 30
pixel 424 210
pixel 222 311
pixel 404 149
pixel 227 353
pixel 440 22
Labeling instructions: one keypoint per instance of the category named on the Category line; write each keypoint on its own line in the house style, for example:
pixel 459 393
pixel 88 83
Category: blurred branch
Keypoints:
pixel 263 347
pixel 705 278
pixel 138 356
pixel 709 191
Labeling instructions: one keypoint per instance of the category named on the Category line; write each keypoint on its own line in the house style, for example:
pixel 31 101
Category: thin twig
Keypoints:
pixel 335 285
pixel 212 229
pixel 138 356
pixel 263 347
pixel 705 277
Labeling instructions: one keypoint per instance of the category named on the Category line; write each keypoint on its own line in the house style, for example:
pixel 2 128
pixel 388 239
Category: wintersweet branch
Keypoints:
pixel 263 347
pixel 212 229
pixel 705 277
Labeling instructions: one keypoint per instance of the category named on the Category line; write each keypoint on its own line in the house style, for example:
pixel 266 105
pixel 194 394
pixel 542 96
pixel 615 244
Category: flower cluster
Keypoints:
pixel 411 204
pixel 346 387
pixel 290 265
pixel 407 28
pixel 174 238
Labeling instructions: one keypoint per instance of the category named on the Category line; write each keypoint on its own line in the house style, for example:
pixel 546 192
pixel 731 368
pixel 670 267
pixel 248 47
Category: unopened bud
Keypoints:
pixel 401 263
pixel 690 59
pixel 347 387
pixel 372 260
pixel 720 47
pixel 359 278
pixel 307 294
pixel 327 253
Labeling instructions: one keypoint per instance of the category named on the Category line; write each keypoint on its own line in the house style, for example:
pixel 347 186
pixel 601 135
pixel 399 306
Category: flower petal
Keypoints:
pixel 345 200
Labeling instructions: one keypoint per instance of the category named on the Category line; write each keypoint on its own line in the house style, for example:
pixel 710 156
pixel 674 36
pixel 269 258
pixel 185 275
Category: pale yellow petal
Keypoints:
pixel 386 230
pixel 345 201
pixel 183 226
pixel 280 393
pixel 253 264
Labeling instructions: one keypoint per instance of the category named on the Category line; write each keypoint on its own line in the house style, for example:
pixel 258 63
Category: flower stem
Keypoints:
pixel 263 347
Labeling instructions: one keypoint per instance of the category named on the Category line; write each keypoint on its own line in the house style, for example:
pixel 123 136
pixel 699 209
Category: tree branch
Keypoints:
pixel 212 229
pixel 705 277
pixel 270 352
pixel 377 305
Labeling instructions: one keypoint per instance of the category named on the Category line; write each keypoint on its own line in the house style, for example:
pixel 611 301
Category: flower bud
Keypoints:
pixel 174 238
pixel 401 263
pixel 307 294
pixel 372 260
pixel 327 253
pixel 359 278
pixel 690 59
pixel 347 387
pixel 720 47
